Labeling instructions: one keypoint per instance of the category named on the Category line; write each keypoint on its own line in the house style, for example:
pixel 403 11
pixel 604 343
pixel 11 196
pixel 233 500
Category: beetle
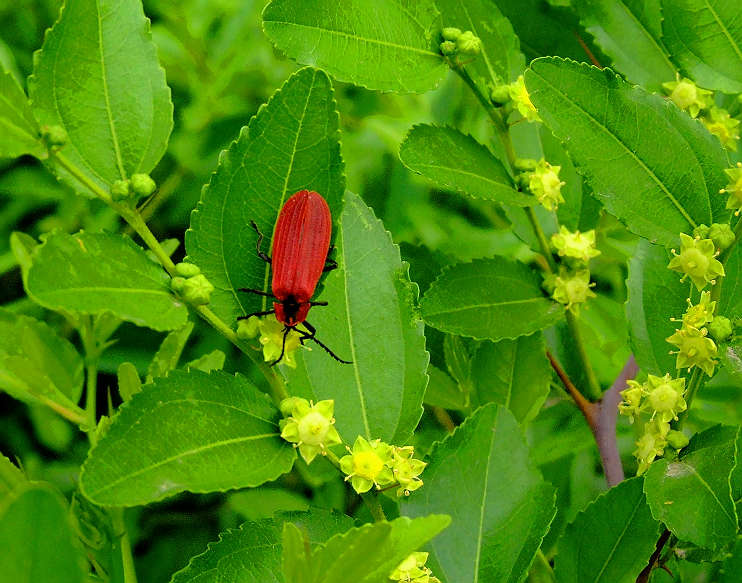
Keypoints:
pixel 301 245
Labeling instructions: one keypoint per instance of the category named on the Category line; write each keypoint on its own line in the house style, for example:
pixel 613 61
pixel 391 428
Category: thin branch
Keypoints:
pixel 647 571
pixel 589 410
pixel 443 418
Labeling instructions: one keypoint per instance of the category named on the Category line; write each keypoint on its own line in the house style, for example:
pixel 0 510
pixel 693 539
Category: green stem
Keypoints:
pixel 542 241
pixel 137 223
pixel 374 506
pixel 594 390
pixel 694 383
pixel 127 558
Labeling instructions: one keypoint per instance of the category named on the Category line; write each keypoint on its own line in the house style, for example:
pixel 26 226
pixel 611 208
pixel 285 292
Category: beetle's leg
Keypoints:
pixel 246 316
pixel 286 331
pixel 317 303
pixel 255 291
pixel 330 264
pixel 262 255
pixel 312 335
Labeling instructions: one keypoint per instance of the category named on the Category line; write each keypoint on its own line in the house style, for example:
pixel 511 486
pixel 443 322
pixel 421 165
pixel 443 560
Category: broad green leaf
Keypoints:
pixel 500 60
pixel 705 40
pixel 290 145
pixel 259 503
pixel 98 77
pixel 10 477
pixel 369 553
pixel 213 360
pixel 513 373
pixel 733 564
pixel 611 540
pixel 128 379
pixel 187 431
pixel 37 538
pixel 36 364
pixel 655 295
pixel 252 552
pixel 391 45
pixel 443 391
pixel 458 162
pixel 619 136
pixel 730 300
pixel 629 32
pixel 167 356
pixel 692 495
pixel 93 273
pixel 489 298
pixel 481 475
pixel 296 556
pixel 371 320
pixel 19 132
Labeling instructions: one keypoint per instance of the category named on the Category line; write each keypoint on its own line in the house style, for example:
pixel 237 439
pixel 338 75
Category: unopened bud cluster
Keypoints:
pixel 192 285
pixel 456 43
pixel 413 570
pixel 699 103
pixel 271 334
pixel 542 180
pixel 134 188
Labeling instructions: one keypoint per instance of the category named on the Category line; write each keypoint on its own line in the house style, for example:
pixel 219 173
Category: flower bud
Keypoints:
pixel 468 44
pixel 187 269
pixel 177 284
pixel 451 34
pixel 701 231
pixel 722 235
pixel 545 185
pixel 54 136
pixel 572 288
pixel 677 439
pixel 688 96
pixel 500 95
pixel 248 328
pixel 721 328
pixel 142 185
pixel 120 190
pixel 448 48
pixel 723 126
pixel 197 290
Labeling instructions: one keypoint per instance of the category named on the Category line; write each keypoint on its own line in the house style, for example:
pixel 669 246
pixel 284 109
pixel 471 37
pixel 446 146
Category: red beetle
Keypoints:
pixel 301 244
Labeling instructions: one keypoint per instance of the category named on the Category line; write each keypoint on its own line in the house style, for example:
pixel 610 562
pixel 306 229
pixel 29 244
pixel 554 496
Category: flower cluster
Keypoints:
pixel 272 333
pixel 378 464
pixel 734 188
pixel 571 285
pixel 698 260
pixel 309 426
pixel 699 103
pixel 544 183
pixel 191 284
pixel 694 346
pixel 413 570
pixel 457 43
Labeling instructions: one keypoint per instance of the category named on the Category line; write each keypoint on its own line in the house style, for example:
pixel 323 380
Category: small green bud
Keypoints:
pixel 701 231
pixel 469 44
pixel 721 328
pixel 197 290
pixel 500 95
pixel 451 33
pixel 722 235
pixel 177 284
pixel 249 328
pixel 677 439
pixel 54 136
pixel 120 190
pixel 526 164
pixel 187 269
pixel 142 185
pixel 448 48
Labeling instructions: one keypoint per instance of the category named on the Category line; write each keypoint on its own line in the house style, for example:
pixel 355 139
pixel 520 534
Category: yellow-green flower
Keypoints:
pixel 734 188
pixel 521 99
pixel 688 96
pixel 406 470
pixel 700 314
pixel 723 126
pixel 413 570
pixel 665 397
pixel 651 444
pixel 632 400
pixel 576 245
pixel 695 348
pixel 369 464
pixel 271 337
pixel 572 288
pixel 545 185
pixel 310 426
pixel 697 260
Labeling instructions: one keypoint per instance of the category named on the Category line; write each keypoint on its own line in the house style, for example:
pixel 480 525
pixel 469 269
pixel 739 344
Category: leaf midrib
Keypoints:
pixel 724 30
pixel 489 305
pixel 618 539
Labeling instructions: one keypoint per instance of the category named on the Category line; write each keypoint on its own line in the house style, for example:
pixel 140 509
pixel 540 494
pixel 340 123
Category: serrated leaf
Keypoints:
pixel 692 495
pixel 443 391
pixel 290 145
pixel 252 552
pixel 371 320
pixel 213 360
pixel 346 40
pixel 10 477
pixel 513 373
pixel 619 136
pixel 730 298
pixel 37 538
pixel 489 298
pixel 500 60
pixel 168 354
pixel 187 431
pixel 296 555
pixel 93 273
pixel 36 364
pixel 502 506
pixel 369 553
pixel 19 132
pixel 655 295
pixel 629 32
pixel 611 540
pixel 98 77
pixel 705 40
pixel 456 161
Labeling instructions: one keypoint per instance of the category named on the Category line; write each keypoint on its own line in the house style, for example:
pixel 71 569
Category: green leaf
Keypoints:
pixel 655 295
pixel 489 298
pixel 252 552
pixel 371 320
pixel 705 40
pixel 128 379
pixel 629 32
pixel 500 60
pixel 611 540
pixel 443 391
pixel 290 145
pixel 619 136
pixel 730 300
pixel 692 495
pixel 456 161
pixel 93 273
pixel 481 474
pixel 10 477
pixel 187 431
pixel 36 364
pixel 258 503
pixel 732 565
pixel 167 356
pixel 37 538
pixel 296 555
pixel 19 132
pixel 513 373
pixel 346 40
pixel 213 360
pixel 98 77
pixel 369 553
